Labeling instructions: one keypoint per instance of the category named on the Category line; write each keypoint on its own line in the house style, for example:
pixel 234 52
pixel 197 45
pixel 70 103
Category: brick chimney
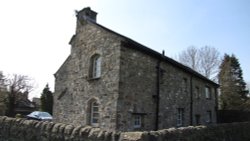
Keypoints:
pixel 86 14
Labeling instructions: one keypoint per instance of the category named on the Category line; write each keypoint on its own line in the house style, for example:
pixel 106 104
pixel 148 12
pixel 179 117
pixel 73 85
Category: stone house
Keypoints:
pixel 37 103
pixel 23 105
pixel 112 82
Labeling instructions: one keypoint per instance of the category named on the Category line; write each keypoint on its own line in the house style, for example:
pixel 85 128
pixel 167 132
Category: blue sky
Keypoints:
pixel 35 34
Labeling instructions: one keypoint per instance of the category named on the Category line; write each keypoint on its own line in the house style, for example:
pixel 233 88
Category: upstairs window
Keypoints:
pixel 180 116
pixel 208 92
pixel 197 92
pixel 95 69
pixel 185 85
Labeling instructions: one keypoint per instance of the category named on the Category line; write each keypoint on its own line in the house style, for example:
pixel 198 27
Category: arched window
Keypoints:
pixel 95 69
pixel 94 113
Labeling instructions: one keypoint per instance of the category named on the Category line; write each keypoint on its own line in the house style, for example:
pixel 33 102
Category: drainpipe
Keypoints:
pixel 191 100
pixel 216 104
pixel 159 71
pixel 157 96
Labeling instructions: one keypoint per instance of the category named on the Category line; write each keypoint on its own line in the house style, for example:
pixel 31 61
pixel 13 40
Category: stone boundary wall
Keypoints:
pixel 12 129
pixel 229 116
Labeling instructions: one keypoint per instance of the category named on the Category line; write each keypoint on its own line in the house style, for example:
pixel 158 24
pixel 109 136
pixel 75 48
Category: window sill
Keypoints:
pixel 137 127
pixel 96 125
pixel 208 122
pixel 179 125
pixel 93 79
pixel 134 113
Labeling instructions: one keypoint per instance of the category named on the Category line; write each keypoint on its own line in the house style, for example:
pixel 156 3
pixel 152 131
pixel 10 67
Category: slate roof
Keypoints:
pixel 131 43
pixel 135 45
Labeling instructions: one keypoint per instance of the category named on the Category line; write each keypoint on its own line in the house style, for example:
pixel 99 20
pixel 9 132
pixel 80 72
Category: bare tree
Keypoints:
pixel 17 84
pixel 2 81
pixel 190 57
pixel 3 88
pixel 205 60
pixel 209 61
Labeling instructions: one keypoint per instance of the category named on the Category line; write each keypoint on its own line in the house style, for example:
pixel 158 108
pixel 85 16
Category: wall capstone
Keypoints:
pixel 12 129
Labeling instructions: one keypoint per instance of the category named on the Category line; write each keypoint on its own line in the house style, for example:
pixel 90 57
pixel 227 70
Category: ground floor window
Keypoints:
pixel 209 117
pixel 94 119
pixel 197 119
pixel 137 121
pixel 180 116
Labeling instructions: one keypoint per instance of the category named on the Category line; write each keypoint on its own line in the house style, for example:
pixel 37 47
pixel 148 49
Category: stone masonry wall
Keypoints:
pixel 175 92
pixel 201 104
pixel 74 87
pixel 138 80
pixel 136 90
pixel 127 86
pixel 12 129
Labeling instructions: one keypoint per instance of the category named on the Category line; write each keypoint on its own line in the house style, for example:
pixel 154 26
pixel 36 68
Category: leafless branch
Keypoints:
pixel 205 60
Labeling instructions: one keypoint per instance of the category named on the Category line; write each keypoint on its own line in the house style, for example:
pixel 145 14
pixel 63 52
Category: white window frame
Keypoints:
pixel 180 116
pixel 137 121
pixel 94 115
pixel 96 66
pixel 208 92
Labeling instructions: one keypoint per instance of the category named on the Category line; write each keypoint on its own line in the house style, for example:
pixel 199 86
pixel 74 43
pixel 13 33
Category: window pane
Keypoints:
pixel 95 115
pixel 197 92
pixel 95 120
pixel 95 104
pixel 207 92
pixel 96 66
pixel 209 116
pixel 185 84
pixel 197 119
pixel 180 116
pixel 95 109
pixel 137 121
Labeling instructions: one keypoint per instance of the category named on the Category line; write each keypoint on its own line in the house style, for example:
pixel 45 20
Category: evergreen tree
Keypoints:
pixel 47 100
pixel 233 88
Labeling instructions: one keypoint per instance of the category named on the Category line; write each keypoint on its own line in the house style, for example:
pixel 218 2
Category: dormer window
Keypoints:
pixel 95 68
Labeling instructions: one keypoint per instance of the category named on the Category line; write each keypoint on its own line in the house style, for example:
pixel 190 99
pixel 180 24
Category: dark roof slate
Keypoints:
pixel 131 43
